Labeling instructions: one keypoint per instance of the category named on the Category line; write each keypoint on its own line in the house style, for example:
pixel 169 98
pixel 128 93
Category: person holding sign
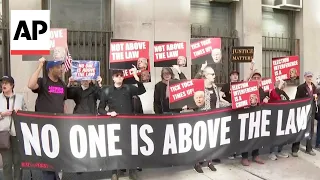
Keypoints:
pixel 264 98
pixel 161 91
pixel 307 89
pixel 119 99
pixel 278 94
pixel 85 96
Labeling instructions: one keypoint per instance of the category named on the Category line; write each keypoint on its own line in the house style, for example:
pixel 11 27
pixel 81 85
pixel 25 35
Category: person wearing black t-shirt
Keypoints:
pixel 225 92
pixel 119 99
pixel 51 92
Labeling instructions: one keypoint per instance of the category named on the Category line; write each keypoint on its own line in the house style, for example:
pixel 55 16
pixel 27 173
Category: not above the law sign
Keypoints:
pixel 30 32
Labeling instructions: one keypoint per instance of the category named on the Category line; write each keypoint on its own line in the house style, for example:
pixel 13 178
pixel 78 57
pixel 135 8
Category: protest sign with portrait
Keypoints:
pixel 285 68
pixel 188 93
pixel 58 46
pixel 267 84
pixel 144 76
pixel 85 70
pixel 244 94
pixel 167 54
pixel 208 49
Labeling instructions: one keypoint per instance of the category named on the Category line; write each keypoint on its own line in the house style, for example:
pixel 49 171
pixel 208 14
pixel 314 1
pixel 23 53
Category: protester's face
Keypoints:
pixel 142 64
pixel 57 71
pixel 253 100
pixel 308 79
pixel 85 83
pixel 210 75
pixel 6 86
pixel 234 77
pixel 199 99
pixel 118 78
pixel 145 76
pixel 166 75
pixel 256 77
pixel 216 55
pixel 59 53
pixel 181 61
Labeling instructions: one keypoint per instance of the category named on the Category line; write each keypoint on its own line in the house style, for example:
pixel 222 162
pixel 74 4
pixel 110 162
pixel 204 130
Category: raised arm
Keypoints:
pixel 33 81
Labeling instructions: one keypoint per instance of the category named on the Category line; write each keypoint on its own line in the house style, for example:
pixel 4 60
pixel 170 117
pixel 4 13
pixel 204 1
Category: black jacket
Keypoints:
pixel 160 102
pixel 106 93
pixel 302 91
pixel 86 100
pixel 137 105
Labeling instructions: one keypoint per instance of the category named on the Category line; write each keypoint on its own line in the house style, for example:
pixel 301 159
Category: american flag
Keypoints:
pixel 68 62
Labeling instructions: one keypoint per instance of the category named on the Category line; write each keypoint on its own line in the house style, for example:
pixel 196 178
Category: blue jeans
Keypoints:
pixel 318 134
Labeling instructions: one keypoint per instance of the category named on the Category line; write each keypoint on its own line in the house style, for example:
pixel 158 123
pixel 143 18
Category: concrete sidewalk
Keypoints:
pixel 305 167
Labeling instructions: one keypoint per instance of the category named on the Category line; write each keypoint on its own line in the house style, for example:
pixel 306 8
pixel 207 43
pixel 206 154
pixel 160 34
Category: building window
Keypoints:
pixel 89 28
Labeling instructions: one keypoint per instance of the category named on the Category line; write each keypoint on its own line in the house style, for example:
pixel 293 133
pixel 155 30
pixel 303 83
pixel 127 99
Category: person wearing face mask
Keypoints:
pixel 278 94
pixel 85 96
pixel 161 91
pixel 307 89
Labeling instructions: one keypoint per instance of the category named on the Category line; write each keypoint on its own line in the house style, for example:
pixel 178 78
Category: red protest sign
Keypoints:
pixel 267 84
pixel 182 92
pixel 144 76
pixel 285 68
pixel 125 53
pixel 208 49
pixel 244 94
pixel 167 54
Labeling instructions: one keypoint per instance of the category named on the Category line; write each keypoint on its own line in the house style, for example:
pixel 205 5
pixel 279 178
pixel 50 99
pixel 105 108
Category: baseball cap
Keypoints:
pixel 234 72
pixel 8 79
pixel 117 71
pixel 256 73
pixel 308 73
pixel 51 64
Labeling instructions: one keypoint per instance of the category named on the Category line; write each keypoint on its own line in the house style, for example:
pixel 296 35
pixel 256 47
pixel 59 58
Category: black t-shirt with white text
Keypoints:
pixel 51 96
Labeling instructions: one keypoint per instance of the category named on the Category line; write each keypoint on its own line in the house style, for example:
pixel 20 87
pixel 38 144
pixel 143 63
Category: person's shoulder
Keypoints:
pixel 160 83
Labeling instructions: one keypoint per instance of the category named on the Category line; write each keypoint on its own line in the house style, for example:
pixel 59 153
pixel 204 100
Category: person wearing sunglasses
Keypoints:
pixel 119 99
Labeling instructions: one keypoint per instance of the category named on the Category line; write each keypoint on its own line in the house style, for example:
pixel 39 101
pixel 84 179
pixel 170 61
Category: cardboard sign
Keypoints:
pixel 186 93
pixel 285 68
pixel 267 84
pixel 242 54
pixel 167 54
pixel 58 46
pixel 85 70
pixel 244 94
pixel 208 49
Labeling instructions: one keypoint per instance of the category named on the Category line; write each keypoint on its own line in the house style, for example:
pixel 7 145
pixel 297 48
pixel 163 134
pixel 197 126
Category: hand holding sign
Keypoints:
pixel 41 61
pixel 99 81
pixel 112 114
pixel 203 66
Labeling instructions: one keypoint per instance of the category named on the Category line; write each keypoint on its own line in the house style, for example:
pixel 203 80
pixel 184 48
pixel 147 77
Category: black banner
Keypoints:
pixel 95 143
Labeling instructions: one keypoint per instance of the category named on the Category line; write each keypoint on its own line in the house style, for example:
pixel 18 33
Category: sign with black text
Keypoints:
pixel 188 93
pixel 167 54
pixel 244 94
pixel 100 143
pixel 242 54
pixel 30 32
pixel 285 68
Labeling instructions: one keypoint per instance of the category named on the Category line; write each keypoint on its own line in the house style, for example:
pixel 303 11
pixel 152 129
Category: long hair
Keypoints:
pixel 169 70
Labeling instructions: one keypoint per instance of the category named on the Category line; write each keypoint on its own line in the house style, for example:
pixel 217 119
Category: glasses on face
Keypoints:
pixel 118 75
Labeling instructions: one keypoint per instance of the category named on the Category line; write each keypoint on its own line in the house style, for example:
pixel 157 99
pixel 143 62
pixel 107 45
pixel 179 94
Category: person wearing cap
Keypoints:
pixel 9 102
pixel 119 99
pixel 225 93
pixel 52 94
pixel 264 98
pixel 307 89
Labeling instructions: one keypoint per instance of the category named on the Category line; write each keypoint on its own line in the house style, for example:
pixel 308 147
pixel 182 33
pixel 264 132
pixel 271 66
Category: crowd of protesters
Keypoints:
pixel 121 98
